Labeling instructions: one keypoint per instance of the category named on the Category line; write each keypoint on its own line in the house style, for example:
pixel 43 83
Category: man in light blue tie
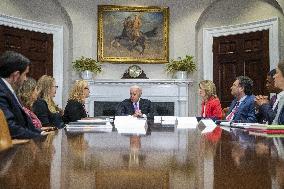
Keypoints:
pixel 135 105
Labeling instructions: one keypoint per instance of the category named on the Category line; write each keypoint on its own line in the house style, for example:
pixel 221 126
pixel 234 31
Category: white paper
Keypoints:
pixel 92 121
pixel 209 125
pixel 225 123
pixel 169 120
pixel 157 119
pixel 186 122
pixel 241 125
pixel 130 125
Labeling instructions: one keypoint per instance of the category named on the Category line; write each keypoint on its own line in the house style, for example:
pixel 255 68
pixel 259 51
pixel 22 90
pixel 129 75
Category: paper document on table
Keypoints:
pixel 88 123
pixel 130 125
pixel 93 121
pixel 236 125
pixel 225 123
pixel 157 119
pixel 88 128
pixel 169 120
pixel 186 122
pixel 209 125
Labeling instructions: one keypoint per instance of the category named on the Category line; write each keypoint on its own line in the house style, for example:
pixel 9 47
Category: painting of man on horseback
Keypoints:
pixel 133 35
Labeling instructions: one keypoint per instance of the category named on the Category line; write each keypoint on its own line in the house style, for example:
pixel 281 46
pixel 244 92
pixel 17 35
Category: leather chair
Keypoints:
pixel 5 137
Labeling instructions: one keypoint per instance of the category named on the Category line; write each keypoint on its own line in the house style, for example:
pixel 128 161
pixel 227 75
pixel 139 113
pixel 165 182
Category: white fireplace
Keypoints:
pixel 156 90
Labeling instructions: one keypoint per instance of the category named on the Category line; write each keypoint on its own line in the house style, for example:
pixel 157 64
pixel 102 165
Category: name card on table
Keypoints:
pixel 186 122
pixel 209 125
pixel 130 125
pixel 165 120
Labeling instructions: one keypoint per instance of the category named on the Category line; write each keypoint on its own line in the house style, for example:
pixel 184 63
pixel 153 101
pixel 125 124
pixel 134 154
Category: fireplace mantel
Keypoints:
pixel 156 90
pixel 140 81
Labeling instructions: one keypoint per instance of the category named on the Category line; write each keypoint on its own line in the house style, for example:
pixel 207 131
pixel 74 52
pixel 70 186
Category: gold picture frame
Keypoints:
pixel 129 34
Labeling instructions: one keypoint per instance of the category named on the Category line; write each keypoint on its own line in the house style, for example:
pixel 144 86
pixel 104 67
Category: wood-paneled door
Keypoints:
pixel 242 54
pixel 36 46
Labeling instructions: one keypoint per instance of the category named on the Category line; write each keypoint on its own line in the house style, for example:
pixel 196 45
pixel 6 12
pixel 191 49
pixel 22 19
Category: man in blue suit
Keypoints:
pixel 267 109
pixel 13 70
pixel 242 108
pixel 135 105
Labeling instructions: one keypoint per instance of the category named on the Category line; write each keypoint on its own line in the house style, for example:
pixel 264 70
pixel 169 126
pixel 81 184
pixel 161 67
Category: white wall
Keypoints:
pixel 183 15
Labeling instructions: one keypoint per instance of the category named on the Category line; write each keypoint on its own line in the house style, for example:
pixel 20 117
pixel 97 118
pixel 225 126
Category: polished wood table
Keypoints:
pixel 163 158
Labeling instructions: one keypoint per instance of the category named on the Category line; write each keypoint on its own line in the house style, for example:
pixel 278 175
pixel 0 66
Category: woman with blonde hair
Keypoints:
pixel 211 106
pixel 75 108
pixel 28 94
pixel 44 107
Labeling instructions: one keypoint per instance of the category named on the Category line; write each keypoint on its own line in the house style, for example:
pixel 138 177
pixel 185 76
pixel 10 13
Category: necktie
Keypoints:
pixel 136 106
pixel 274 102
pixel 232 113
pixel 279 108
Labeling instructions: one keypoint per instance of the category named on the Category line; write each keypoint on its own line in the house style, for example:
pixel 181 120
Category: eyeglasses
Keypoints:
pixel 87 88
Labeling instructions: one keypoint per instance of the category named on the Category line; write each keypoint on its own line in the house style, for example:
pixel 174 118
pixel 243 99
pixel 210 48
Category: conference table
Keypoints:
pixel 164 157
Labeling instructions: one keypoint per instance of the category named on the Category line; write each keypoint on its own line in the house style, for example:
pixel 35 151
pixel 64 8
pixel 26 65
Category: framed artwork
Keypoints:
pixel 133 34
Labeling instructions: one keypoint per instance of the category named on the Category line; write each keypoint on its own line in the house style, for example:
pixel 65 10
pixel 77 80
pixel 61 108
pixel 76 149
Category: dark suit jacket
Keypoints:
pixel 246 111
pixel 126 108
pixel 266 113
pixel 47 118
pixel 74 111
pixel 281 117
pixel 20 124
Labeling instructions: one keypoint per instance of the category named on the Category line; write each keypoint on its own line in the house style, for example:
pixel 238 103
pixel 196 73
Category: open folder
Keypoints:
pixel 207 125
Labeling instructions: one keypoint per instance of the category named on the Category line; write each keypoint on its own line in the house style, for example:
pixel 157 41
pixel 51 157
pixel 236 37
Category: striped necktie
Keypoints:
pixel 279 108
pixel 232 113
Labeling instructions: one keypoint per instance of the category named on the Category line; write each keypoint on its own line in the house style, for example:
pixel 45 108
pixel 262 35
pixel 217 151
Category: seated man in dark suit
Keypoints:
pixel 135 106
pixel 267 108
pixel 13 70
pixel 242 108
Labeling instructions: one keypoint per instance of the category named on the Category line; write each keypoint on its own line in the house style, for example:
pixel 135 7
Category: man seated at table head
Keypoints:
pixel 135 105
pixel 13 70
pixel 242 108
pixel 267 108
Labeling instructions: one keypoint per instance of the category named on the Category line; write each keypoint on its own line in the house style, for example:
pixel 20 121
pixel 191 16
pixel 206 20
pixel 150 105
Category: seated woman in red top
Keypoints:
pixel 211 107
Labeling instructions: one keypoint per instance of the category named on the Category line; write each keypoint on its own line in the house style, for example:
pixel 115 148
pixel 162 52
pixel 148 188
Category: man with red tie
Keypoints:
pixel 135 105
pixel 242 108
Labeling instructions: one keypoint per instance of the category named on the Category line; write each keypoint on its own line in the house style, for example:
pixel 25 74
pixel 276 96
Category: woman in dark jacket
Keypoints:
pixel 75 108
pixel 44 107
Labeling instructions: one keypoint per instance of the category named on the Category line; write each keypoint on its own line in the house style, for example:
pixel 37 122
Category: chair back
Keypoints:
pixel 5 137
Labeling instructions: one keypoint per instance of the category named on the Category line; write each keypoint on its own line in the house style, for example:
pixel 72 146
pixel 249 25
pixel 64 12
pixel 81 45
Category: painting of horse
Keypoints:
pixel 132 34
